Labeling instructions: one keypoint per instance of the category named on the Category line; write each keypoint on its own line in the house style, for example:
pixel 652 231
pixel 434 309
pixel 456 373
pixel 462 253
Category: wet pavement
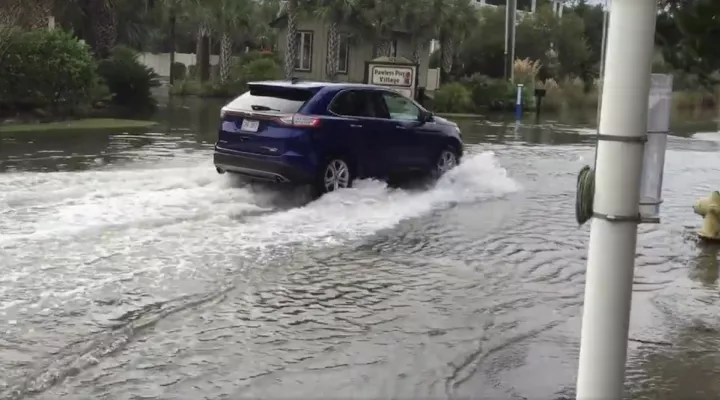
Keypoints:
pixel 129 269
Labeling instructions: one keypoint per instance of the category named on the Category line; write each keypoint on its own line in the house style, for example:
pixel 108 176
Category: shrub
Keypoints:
pixel 261 69
pixel 452 98
pixel 251 56
pixel 193 87
pixel 568 95
pixel 179 70
pixel 129 81
pixel 526 71
pixel 45 69
pixel 693 100
pixel 490 93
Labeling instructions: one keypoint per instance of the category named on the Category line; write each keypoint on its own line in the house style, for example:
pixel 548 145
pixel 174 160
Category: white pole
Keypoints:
pixel 611 255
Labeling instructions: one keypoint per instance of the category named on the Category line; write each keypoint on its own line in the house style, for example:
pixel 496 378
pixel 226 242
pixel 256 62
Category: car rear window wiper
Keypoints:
pixel 258 107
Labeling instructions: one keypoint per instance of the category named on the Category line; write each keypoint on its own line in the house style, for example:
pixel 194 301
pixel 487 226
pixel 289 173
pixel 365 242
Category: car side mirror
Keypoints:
pixel 425 117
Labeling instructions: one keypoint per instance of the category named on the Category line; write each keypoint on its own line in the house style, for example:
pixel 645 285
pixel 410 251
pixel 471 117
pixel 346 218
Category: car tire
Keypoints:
pixel 446 160
pixel 336 173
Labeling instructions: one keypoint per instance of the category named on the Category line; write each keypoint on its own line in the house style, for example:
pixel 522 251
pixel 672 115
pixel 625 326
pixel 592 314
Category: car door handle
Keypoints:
pixel 355 126
pixel 403 127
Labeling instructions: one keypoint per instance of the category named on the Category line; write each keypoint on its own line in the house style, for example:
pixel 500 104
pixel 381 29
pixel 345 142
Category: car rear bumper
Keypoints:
pixel 261 168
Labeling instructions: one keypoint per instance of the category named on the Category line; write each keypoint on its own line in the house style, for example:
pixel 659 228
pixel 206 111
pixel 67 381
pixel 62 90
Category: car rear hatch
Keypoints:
pixel 264 120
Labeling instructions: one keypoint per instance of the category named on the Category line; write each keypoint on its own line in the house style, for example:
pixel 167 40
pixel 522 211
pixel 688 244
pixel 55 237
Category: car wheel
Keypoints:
pixel 446 161
pixel 335 175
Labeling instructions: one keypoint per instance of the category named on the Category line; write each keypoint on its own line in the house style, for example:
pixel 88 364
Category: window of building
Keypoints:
pixel 343 52
pixel 304 43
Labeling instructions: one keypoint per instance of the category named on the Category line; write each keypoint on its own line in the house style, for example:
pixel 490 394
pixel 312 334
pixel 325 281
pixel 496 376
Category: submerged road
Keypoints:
pixel 129 269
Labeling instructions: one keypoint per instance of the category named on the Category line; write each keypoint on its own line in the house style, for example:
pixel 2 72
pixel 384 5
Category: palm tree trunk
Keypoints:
pixel 225 57
pixel 29 14
pixel 447 53
pixel 333 56
pixel 202 54
pixel 173 38
pixel 291 40
pixel 417 48
pixel 103 26
pixel 384 48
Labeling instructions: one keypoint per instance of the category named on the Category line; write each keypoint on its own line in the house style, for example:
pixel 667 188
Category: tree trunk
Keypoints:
pixel 291 40
pixel 225 57
pixel 202 54
pixel 384 48
pixel 447 53
pixel 28 14
pixel 333 56
pixel 103 27
pixel 173 38
pixel 417 48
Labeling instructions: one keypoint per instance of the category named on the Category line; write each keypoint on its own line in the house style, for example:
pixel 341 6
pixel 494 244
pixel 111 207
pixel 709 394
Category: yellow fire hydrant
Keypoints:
pixel 709 209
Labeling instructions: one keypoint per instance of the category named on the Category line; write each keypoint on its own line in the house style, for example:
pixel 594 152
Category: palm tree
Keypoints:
pixel 380 19
pixel 102 18
pixel 335 13
pixel 455 19
pixel 291 9
pixel 229 17
pixel 32 14
pixel 420 22
pixel 201 15
pixel 264 34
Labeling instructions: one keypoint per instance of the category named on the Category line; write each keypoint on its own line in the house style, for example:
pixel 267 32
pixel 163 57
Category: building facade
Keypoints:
pixel 312 51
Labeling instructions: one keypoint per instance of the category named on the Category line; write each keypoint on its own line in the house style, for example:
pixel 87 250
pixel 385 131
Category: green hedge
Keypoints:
pixel 129 81
pixel 45 69
pixel 253 66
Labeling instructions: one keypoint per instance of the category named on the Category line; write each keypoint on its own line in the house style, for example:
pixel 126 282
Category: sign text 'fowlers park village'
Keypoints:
pixel 392 76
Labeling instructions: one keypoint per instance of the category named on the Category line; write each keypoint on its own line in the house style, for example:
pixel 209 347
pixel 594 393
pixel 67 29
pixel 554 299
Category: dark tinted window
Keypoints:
pixel 355 103
pixel 271 98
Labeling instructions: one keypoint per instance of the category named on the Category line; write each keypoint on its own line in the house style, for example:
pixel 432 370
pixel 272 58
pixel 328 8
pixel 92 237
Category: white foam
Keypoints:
pixel 371 206
pixel 84 231
pixel 51 205
pixel 707 136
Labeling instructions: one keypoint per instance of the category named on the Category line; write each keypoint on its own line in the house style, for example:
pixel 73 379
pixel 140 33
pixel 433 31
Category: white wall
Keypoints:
pixel 160 62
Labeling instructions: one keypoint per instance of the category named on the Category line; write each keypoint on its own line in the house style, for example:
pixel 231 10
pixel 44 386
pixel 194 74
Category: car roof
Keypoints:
pixel 315 84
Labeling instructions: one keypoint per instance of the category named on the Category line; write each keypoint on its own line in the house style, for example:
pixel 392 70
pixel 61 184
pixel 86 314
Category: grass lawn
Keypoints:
pixel 79 124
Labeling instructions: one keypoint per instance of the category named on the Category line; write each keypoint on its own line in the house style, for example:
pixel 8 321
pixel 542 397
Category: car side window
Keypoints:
pixel 353 103
pixel 400 107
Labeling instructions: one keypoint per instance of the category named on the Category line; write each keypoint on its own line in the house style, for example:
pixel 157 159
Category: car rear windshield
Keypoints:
pixel 272 98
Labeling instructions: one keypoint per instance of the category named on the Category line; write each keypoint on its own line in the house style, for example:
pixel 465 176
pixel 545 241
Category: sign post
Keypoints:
pixel 397 74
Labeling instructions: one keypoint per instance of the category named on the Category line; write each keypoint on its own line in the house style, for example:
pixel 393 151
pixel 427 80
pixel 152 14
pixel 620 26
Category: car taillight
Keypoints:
pixel 302 121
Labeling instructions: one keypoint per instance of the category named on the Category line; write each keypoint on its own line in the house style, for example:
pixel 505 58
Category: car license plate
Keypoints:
pixel 249 125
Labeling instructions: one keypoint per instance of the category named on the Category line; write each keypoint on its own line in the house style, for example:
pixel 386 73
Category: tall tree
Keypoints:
pixel 420 22
pixel 102 18
pixel 335 13
pixel 291 50
pixel 378 21
pixel 691 31
pixel 455 20
pixel 230 17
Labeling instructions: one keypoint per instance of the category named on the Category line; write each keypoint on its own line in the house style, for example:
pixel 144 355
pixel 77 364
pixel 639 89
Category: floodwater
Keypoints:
pixel 130 270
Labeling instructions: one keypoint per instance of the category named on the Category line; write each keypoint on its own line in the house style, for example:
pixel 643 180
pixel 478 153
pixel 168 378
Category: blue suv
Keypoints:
pixel 328 134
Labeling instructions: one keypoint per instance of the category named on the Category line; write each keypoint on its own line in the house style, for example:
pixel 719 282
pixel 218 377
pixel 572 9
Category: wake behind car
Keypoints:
pixel 328 134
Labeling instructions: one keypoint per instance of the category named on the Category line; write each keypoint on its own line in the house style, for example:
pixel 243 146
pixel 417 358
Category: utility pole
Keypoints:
pixel 510 25
pixel 613 235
